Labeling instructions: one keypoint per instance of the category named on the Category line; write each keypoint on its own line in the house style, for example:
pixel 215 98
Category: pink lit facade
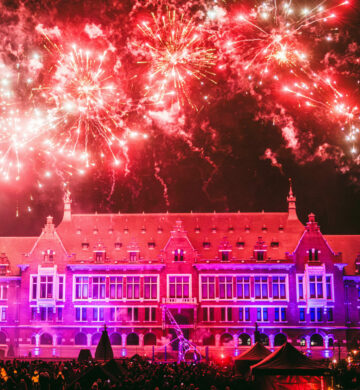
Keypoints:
pixel 218 273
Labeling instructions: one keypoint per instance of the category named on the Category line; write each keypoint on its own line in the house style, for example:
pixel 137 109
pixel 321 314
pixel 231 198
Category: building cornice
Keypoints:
pixel 242 266
pixel 115 267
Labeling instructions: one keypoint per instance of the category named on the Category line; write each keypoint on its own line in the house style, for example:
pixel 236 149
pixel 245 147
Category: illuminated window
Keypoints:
pixel 46 287
pixel 133 256
pixel 81 314
pixel 329 287
pixel 279 287
pixel 60 314
pixel 208 287
pixel 243 287
pixel 133 287
pixel 316 314
pixel 302 314
pixel 3 291
pixel 261 287
pixel 226 287
pixel 244 314
pixel 300 281
pixel 150 287
pixel 179 287
pixel 81 287
pixel 316 286
pixel 98 287
pixel 98 314
pixel 61 287
pixel 3 313
pixel 46 314
pixel 262 314
pixel 116 287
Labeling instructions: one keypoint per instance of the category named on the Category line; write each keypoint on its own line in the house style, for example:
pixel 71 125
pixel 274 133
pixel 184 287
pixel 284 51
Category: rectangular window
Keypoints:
pixel 3 313
pixel 179 287
pixel 98 287
pixel 319 313
pixel 316 286
pixel 116 287
pixel 133 256
pixel 283 314
pixel 179 255
pixel 316 314
pixel 312 314
pixel 133 314
pixel 33 313
pixel 81 287
pixel 359 292
pixel 61 288
pixel 208 287
pixel 277 314
pixel 46 313
pixel 81 314
pixel 60 314
pixel 279 287
pixel 243 287
pixel 98 314
pixel 302 314
pixel 150 287
pixel 112 313
pixel 244 314
pixel 265 314
pixel 262 314
pixel 34 288
pixel 330 314
pixel 208 314
pixel 261 287
pixel 225 287
pixel 300 280
pixel 46 287
pixel 226 314
pixel 150 314
pixel 133 287
pixel 328 287
pixel 4 291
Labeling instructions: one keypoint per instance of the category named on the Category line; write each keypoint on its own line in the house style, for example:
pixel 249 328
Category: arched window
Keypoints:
pixel 209 340
pixel 226 339
pixel 2 338
pixel 95 338
pixel 80 339
pixel 264 338
pixel 302 342
pixel 115 339
pixel 46 339
pixel 316 340
pixel 132 339
pixel 149 339
pixel 279 339
pixel 244 339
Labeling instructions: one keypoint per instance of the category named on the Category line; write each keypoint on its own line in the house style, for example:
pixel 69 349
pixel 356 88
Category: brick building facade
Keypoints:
pixel 218 273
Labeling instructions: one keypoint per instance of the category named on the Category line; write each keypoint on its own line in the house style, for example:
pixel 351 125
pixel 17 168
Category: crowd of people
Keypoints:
pixel 127 374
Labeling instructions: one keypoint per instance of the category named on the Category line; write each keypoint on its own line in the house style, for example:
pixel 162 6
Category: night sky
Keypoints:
pixel 234 152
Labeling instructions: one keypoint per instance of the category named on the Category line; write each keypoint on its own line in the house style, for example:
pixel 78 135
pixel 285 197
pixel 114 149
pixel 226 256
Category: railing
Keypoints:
pixel 167 301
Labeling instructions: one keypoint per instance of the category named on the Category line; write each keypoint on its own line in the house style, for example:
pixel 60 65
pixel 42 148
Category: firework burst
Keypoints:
pixel 177 56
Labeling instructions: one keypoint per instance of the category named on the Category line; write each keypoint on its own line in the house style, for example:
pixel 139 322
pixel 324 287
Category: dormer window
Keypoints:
pixel 197 230
pixel 179 255
pixel 118 245
pixel 85 245
pixel 225 255
pixel 78 231
pixel 126 230
pixel 206 244
pixel 240 244
pixel 274 244
pixel 143 230
pixel 357 268
pixel 213 229
pixel 264 229
pixel 313 254
pixel 281 228
pixel 160 230
pixel 111 231
pixel 99 256
pixel 96 231
pixel 260 255
pixel 49 255
pixel 231 229
pixel 247 229
pixel 133 256
pixel 151 244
